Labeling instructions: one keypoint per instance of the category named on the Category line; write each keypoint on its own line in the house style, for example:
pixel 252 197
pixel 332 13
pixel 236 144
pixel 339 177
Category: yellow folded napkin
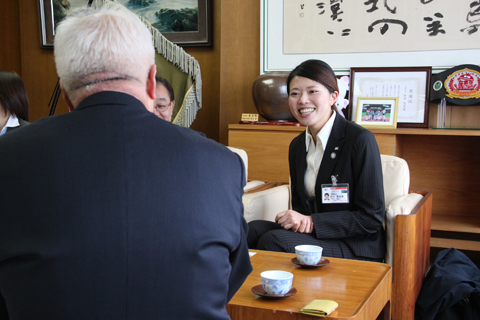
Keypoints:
pixel 321 308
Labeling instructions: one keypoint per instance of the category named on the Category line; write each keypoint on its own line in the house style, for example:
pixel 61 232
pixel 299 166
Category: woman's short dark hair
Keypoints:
pixel 315 70
pixel 13 95
pixel 167 85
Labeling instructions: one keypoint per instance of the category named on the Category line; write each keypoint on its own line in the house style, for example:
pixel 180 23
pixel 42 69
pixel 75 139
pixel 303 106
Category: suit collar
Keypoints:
pixel 322 135
pixel 334 146
pixel 113 98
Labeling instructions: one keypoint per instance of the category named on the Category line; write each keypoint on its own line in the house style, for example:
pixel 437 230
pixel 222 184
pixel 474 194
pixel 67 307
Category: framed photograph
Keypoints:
pixel 377 112
pixel 45 10
pixel 194 34
pixel 411 85
pixel 185 23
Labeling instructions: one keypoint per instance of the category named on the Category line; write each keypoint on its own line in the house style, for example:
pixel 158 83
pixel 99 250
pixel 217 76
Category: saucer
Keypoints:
pixel 261 292
pixel 321 263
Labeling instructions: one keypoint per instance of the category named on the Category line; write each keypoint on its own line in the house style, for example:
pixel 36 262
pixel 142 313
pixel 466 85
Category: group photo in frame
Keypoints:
pixel 411 85
pixel 184 26
pixel 377 112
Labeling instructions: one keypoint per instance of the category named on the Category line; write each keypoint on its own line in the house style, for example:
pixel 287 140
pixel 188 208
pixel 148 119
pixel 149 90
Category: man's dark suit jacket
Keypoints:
pixel 110 212
pixel 352 156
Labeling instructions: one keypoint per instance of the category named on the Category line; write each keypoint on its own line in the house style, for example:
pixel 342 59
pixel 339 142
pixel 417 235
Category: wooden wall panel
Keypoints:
pixel 240 60
pixel 39 74
pixel 228 68
pixel 38 66
pixel 10 37
pixel 207 120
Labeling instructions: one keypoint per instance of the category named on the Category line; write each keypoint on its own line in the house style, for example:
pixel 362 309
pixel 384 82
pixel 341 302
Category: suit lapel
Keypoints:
pixel 331 155
pixel 301 159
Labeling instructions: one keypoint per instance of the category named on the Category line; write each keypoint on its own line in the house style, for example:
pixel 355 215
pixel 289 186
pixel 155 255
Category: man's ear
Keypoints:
pixel 151 82
pixel 66 98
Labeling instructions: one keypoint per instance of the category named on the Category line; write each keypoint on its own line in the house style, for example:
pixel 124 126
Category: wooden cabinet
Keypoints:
pixel 266 147
pixel 445 162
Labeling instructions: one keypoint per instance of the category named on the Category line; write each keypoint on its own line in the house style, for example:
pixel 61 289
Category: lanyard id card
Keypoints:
pixel 335 192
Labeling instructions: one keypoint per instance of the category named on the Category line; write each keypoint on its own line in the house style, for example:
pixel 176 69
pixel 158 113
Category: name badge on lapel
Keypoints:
pixel 335 192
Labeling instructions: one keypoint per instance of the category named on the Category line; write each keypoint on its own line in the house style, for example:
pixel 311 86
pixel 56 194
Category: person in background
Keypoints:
pixel 13 102
pixel 107 211
pixel 165 99
pixel 335 156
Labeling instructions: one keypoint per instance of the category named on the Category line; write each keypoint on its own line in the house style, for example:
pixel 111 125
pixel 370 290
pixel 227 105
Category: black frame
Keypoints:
pixel 203 37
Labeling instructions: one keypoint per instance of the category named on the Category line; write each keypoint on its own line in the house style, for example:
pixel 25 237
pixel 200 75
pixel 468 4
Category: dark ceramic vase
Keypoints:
pixel 271 97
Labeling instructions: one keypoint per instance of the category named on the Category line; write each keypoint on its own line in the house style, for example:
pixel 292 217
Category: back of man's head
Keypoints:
pixel 97 45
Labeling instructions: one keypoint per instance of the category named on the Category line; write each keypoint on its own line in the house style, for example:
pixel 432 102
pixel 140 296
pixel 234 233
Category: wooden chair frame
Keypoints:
pixel 411 257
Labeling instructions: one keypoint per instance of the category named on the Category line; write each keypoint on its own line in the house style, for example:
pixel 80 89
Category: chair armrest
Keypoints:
pixel 263 186
pixel 265 204
pixel 400 206
pixel 252 185
pixel 412 256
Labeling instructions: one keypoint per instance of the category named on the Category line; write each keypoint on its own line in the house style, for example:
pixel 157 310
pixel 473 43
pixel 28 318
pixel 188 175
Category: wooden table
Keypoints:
pixel 362 289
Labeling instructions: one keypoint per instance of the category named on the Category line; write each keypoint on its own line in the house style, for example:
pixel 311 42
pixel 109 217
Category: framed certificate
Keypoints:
pixel 411 85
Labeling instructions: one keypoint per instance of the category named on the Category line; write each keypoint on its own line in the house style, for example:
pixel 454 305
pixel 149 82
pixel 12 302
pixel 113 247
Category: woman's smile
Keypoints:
pixel 310 102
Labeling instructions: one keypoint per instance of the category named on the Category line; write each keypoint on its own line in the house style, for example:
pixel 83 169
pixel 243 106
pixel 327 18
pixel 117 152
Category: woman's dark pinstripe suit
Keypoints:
pixel 349 230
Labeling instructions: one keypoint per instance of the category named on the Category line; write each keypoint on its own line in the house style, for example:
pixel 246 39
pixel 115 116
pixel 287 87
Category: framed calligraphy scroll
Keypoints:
pixel 369 34
pixel 410 84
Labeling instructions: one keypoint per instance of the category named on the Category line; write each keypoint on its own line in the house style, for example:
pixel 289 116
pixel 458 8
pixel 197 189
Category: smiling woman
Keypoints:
pixel 313 91
pixel 311 103
pixel 349 226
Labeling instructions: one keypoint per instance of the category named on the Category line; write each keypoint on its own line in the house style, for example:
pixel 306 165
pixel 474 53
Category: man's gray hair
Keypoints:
pixel 109 39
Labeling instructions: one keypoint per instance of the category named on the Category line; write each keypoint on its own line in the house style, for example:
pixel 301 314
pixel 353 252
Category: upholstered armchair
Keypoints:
pixel 262 200
pixel 265 201
pixel 407 225
pixel 244 156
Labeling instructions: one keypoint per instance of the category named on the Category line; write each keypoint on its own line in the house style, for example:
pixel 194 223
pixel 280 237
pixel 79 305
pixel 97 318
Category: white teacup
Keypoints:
pixel 276 282
pixel 308 255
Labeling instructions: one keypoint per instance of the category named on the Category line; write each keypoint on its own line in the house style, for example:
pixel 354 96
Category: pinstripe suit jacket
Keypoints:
pixel 356 162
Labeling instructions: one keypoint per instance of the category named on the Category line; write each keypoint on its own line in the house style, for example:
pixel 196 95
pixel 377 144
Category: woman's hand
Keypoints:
pixel 298 222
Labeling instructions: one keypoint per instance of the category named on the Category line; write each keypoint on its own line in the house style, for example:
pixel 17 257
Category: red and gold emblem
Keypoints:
pixel 463 84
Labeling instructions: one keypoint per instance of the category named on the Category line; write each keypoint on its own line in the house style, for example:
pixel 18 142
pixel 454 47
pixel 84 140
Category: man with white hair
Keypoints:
pixel 109 212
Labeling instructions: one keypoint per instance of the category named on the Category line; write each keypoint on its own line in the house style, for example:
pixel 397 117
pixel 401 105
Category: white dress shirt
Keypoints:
pixel 315 155
pixel 12 122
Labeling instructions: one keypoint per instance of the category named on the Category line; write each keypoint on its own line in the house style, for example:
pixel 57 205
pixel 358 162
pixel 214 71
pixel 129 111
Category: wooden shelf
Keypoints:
pixel 441 161
pixel 255 127
pixel 454 243
pixel 456 223
pixel 399 131
pixel 429 132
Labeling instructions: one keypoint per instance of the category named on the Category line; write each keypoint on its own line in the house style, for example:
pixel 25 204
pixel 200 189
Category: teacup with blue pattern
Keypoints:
pixel 308 255
pixel 276 282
